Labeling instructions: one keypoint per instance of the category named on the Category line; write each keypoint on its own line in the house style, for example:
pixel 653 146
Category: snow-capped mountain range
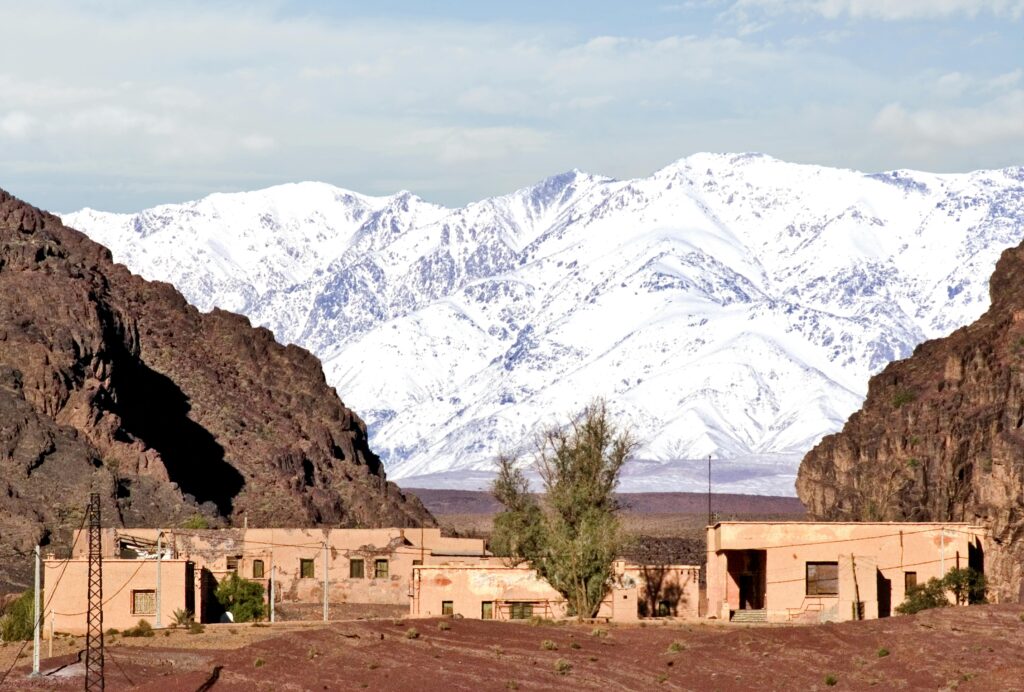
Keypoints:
pixel 728 305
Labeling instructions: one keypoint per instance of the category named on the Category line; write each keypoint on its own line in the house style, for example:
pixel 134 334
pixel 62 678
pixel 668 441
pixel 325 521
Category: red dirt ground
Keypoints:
pixel 976 648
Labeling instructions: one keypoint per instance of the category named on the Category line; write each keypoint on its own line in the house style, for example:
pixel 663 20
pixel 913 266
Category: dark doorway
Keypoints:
pixel 748 570
pixel 884 595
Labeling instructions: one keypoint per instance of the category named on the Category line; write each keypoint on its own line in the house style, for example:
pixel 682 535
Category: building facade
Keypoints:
pixel 492 590
pixel 829 571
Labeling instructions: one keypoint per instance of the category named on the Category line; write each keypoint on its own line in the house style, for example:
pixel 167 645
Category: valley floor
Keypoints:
pixel 980 648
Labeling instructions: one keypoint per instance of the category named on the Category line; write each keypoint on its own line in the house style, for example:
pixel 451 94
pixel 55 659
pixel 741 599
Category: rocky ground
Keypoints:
pixel 976 648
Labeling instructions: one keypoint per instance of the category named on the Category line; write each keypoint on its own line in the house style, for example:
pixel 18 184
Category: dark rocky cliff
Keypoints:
pixel 940 436
pixel 113 383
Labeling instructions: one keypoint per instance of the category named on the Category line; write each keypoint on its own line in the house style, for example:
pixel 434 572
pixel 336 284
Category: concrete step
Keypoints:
pixel 749 616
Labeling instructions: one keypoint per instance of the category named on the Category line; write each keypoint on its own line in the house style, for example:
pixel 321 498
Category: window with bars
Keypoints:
pixel 822 578
pixel 521 611
pixel 380 569
pixel 257 569
pixel 356 569
pixel 306 568
pixel 144 602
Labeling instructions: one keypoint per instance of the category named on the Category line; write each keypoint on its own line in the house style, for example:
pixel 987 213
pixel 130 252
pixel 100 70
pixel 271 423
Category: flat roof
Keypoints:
pixel 849 523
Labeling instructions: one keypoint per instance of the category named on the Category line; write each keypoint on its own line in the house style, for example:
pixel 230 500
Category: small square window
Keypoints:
pixel 233 561
pixel 257 569
pixel 356 570
pixel 416 563
pixel 306 569
pixel 144 602
pixel 822 578
pixel 909 580
pixel 380 569
pixel 487 610
pixel 447 608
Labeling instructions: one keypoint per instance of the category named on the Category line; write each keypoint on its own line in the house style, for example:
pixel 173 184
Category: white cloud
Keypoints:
pixel 888 9
pixel 16 124
pixel 925 130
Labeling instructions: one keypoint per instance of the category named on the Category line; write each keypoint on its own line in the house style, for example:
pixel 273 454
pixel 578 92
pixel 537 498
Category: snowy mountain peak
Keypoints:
pixel 730 304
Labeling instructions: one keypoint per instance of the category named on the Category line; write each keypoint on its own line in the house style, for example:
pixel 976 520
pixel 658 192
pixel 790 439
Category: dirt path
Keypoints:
pixel 977 648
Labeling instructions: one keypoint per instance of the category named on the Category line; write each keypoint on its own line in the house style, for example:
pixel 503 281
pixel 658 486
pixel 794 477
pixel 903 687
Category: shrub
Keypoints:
pixel 196 628
pixel 241 597
pixel 16 623
pixel 903 396
pixel 142 629
pixel 548 645
pixel 443 626
pixel 598 632
pixel 259 663
pixel 966 586
pixel 196 521
pixel 511 685
pixel 883 652
pixel 574 645
pixel 675 647
pixel 182 618
pixel 830 680
pixel 562 667
pixel 412 633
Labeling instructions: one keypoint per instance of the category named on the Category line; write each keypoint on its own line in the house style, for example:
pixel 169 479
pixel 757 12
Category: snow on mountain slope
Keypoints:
pixel 728 305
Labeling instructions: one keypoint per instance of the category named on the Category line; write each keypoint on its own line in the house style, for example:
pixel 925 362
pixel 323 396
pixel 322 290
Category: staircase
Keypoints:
pixel 748 616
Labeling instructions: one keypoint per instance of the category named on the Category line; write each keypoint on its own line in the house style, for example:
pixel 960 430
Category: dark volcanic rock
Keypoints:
pixel 940 436
pixel 113 383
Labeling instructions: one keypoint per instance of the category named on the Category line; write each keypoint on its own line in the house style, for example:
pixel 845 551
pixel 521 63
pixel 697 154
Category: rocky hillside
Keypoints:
pixel 113 383
pixel 940 435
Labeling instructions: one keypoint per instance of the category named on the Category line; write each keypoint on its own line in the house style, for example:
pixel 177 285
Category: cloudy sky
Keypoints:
pixel 123 105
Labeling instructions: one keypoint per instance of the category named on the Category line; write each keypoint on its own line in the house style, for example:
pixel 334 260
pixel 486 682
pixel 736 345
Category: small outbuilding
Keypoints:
pixel 829 571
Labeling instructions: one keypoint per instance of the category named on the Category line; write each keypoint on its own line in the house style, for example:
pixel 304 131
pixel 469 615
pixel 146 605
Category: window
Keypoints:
pixel 380 569
pixel 822 578
pixel 521 611
pixel 487 610
pixel 144 602
pixel 306 568
pixel 417 562
pixel 356 569
pixel 257 569
pixel 233 561
pixel 909 580
pixel 447 608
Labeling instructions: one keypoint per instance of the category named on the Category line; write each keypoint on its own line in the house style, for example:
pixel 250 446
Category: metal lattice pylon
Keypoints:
pixel 94 618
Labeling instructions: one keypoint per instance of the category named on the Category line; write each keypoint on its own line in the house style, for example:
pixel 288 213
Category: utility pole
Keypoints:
pixel 709 491
pixel 326 580
pixel 37 618
pixel 273 578
pixel 94 618
pixel 159 557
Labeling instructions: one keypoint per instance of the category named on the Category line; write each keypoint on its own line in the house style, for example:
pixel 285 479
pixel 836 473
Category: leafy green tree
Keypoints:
pixel 574 539
pixel 240 597
pixel 517 534
pixel 966 585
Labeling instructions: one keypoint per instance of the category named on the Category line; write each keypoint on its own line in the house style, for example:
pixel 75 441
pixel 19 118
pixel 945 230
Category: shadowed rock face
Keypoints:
pixel 113 383
pixel 940 436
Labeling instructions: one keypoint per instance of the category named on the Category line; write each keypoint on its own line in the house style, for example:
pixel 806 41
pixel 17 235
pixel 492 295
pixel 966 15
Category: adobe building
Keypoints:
pixel 370 566
pixel 830 571
pixel 492 590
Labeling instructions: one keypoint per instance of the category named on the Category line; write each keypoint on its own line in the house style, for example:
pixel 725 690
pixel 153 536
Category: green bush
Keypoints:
pixel 183 618
pixel 143 629
pixel 966 586
pixel 240 597
pixel 16 621
pixel 196 521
